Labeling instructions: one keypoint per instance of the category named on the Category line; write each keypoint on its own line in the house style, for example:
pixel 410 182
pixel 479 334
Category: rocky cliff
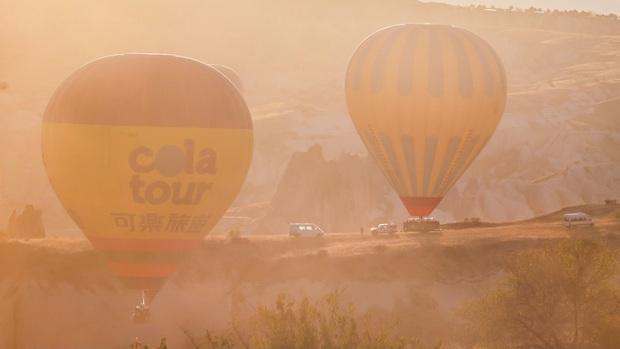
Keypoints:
pixel 343 194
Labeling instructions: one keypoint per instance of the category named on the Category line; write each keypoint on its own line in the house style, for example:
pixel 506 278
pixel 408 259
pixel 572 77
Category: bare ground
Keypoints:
pixel 59 294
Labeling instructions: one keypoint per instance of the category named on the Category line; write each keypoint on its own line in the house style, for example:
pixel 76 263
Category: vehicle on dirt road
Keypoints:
pixel 421 224
pixel 305 229
pixel 384 228
pixel 577 219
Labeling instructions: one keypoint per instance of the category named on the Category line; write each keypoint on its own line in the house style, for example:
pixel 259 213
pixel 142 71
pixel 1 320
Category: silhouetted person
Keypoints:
pixel 162 344
pixel 362 231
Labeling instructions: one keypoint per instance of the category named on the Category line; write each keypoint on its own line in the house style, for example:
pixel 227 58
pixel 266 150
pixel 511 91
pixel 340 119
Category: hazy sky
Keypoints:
pixel 598 6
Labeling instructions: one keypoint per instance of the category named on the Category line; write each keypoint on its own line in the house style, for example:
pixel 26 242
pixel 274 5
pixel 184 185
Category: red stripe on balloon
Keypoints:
pixel 420 206
pixel 142 270
pixel 108 244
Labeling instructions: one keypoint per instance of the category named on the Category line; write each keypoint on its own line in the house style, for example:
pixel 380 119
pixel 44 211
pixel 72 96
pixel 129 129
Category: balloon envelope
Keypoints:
pixel 425 99
pixel 146 152
pixel 230 74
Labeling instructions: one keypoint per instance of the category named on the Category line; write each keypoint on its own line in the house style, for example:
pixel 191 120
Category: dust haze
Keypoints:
pixel 563 88
pixel 557 146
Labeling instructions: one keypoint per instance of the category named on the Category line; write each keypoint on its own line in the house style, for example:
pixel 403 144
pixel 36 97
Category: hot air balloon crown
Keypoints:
pixel 93 96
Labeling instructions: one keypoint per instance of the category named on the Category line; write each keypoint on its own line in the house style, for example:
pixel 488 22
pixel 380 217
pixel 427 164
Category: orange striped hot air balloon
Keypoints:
pixel 146 152
pixel 425 100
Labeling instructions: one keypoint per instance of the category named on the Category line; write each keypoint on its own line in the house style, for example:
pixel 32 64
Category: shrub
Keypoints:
pixel 326 323
pixel 558 297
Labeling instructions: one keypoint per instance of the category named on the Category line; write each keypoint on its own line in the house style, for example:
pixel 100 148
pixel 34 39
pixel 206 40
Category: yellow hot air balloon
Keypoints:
pixel 425 99
pixel 146 152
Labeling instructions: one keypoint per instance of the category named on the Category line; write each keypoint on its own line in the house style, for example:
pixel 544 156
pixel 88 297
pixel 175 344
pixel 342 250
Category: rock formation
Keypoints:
pixel 339 195
pixel 26 225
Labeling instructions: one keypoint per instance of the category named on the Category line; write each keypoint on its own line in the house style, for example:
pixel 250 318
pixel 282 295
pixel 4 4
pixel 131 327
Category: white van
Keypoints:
pixel 384 228
pixel 304 229
pixel 577 219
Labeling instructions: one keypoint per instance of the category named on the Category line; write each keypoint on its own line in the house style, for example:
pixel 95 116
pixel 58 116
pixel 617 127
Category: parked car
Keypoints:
pixel 305 229
pixel 421 224
pixel 577 219
pixel 384 228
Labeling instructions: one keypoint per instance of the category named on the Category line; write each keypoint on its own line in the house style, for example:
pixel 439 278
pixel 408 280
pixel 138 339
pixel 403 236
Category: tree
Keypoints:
pixel 560 297
pixel 325 323
pixel 328 323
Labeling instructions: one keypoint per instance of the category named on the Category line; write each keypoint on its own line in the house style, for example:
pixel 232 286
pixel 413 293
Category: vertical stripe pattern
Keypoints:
pixel 429 160
pixel 409 152
pixel 424 97
pixel 435 77
pixel 406 71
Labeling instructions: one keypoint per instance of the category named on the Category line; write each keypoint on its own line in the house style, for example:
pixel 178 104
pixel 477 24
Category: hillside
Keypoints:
pixel 561 126
pixel 424 278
